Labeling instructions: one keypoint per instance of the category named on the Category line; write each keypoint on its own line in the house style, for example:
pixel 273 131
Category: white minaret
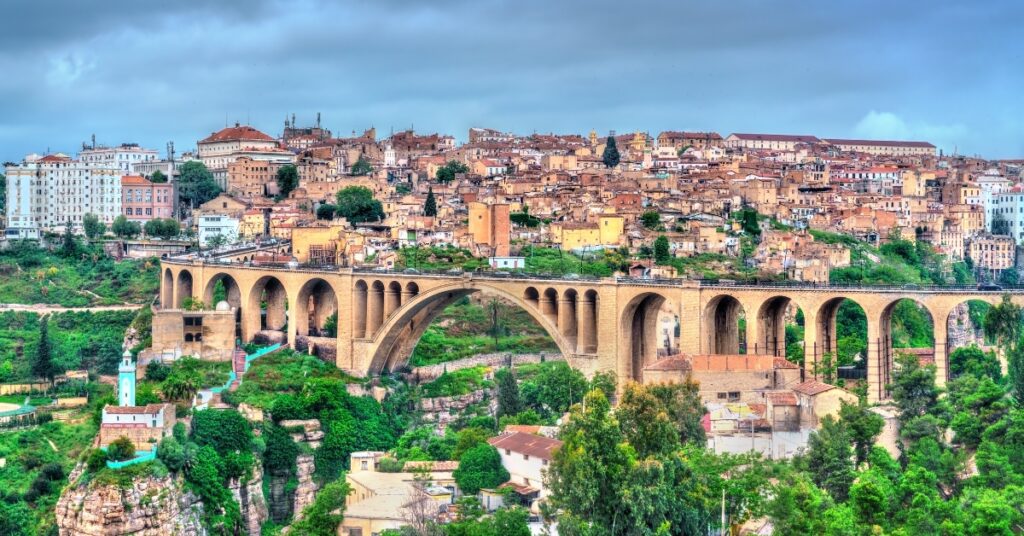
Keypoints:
pixel 126 380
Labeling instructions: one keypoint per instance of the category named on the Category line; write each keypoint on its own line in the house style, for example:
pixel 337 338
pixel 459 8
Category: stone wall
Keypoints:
pixel 326 348
pixel 445 409
pixel 501 359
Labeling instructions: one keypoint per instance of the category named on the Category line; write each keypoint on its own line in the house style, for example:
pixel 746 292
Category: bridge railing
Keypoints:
pixel 524 275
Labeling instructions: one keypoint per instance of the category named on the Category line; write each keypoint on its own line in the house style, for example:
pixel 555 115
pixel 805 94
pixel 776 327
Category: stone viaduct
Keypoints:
pixel 598 324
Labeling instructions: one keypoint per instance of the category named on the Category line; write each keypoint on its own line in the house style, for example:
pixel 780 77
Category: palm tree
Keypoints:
pixel 181 386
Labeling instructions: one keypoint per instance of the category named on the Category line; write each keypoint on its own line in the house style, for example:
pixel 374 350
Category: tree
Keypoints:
pixel 611 153
pixel 362 167
pixel 124 228
pixel 480 467
pixel 171 453
pixel 43 366
pixel 287 180
pixel 92 226
pixel 158 177
pixel 162 228
pixel 196 184
pixel 226 431
pixel 974 361
pixel 830 458
pixel 797 506
pixel 325 514
pixel 69 245
pixel 661 254
pixel 121 449
pixel 447 172
pixel 863 425
pixel 650 219
pixel 326 211
pixel 181 385
pixel 1003 322
pixel 509 401
pixel 430 207
pixel 357 205
pixel 913 388
pixel 645 423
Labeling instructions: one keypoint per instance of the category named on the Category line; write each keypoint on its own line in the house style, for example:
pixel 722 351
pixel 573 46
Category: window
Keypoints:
pixel 526 456
pixel 364 465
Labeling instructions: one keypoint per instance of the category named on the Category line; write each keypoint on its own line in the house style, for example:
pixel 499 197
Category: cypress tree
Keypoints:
pixel 430 207
pixel 42 367
pixel 611 153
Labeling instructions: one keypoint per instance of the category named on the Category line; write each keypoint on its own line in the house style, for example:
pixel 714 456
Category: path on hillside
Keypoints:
pixel 42 308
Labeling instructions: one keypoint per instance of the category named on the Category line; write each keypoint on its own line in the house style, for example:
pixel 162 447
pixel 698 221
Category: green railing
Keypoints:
pixel 140 457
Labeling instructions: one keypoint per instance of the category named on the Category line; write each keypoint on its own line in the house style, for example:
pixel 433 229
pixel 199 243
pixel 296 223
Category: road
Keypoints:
pixel 41 308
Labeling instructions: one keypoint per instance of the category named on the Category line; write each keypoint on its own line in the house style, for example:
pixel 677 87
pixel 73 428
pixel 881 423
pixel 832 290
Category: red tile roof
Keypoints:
pixel 778 137
pixel 529 444
pixel 237 132
pixel 881 143
pixel 148 409
pixel 781 398
pixel 812 387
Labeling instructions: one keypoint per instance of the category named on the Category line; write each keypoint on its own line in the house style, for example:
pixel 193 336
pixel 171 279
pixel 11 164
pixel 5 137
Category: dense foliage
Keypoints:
pixel 357 205
pixel 30 274
pixel 76 339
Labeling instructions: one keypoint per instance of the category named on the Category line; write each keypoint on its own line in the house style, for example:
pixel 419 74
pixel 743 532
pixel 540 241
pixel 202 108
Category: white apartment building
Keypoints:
pixel 884 147
pixel 221 148
pixel 1007 208
pixel 990 185
pixel 50 193
pixel 211 225
pixel 777 142
pixel 124 157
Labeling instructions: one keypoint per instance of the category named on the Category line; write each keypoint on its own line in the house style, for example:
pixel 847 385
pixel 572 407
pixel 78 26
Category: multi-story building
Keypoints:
pixel 778 142
pixel 248 177
pixel 218 150
pixel 490 225
pixel 54 192
pixel 992 252
pixel 884 147
pixel 143 200
pixel 124 157
pixel 697 140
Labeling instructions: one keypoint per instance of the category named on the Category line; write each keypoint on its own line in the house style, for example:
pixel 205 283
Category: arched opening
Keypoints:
pixel 411 289
pixel 969 349
pixel 841 349
pixel 640 323
pixel 183 288
pixel 359 294
pixel 465 322
pixel 223 287
pixel 267 311
pixel 316 313
pixel 392 298
pixel 906 328
pixel 568 308
pixel 549 305
pixel 375 308
pixel 167 290
pixel 725 326
pixel 780 330
pixel 588 311
pixel 532 297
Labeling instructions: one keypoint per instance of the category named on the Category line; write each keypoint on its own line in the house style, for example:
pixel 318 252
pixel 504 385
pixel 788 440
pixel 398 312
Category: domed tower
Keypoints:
pixel 593 138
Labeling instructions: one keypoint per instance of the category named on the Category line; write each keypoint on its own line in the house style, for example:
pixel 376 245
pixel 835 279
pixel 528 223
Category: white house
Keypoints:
pixel 212 225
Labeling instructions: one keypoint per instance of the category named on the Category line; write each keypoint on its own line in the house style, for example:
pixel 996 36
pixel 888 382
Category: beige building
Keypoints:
pixel 884 147
pixel 381 501
pixel 490 224
pixel 726 378
pixel 992 252
pixel 778 142
pixel 218 150
pixel 817 399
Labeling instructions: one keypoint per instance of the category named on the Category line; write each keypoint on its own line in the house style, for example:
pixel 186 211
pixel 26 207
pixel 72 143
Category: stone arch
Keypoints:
pixel 183 288
pixel 532 297
pixel 549 304
pixel 588 321
pixel 360 292
pixel 568 325
pixel 770 338
pixel 639 328
pixel 267 307
pixel 232 290
pixel 397 337
pixel 920 344
pixel 167 290
pixel 392 298
pixel 828 334
pixel 374 308
pixel 721 325
pixel 317 301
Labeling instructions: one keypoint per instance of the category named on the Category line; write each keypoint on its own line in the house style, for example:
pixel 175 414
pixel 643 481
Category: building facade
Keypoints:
pixel 124 157
pixel 143 200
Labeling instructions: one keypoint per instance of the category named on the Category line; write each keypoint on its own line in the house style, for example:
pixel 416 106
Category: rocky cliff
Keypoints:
pixel 251 501
pixel 150 506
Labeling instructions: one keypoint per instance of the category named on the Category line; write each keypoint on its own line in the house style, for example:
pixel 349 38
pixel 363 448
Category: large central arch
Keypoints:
pixel 639 327
pixel 397 337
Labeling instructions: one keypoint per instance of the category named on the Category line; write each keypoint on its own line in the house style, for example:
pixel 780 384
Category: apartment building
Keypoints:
pixel 143 200
pixel 884 147
pixel 218 150
pixel 124 157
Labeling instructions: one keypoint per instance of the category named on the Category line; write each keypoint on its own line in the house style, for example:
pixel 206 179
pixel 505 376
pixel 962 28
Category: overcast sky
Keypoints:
pixel 149 72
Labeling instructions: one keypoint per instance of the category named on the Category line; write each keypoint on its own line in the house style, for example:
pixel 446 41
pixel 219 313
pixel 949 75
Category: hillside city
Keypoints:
pixel 301 332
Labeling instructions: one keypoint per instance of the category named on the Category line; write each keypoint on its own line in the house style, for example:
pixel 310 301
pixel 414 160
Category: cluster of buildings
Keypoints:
pixel 548 189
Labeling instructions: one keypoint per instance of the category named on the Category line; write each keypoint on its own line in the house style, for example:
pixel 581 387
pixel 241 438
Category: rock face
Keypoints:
pixel 442 410
pixel 306 490
pixel 149 507
pixel 961 331
pixel 251 501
